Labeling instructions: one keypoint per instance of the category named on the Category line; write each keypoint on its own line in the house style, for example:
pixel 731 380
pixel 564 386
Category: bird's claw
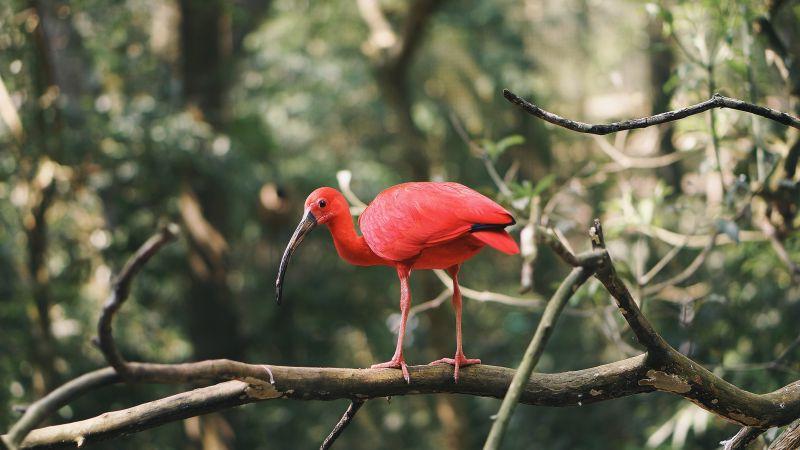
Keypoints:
pixel 395 363
pixel 457 362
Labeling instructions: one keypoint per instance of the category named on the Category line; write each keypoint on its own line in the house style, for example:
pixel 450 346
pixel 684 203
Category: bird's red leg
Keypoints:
pixel 459 360
pixel 397 361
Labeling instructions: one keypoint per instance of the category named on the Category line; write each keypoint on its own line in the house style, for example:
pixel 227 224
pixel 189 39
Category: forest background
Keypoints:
pixel 118 117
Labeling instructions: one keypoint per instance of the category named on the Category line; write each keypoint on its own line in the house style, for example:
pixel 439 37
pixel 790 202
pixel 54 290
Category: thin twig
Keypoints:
pixel 716 101
pixel 488 296
pixel 780 249
pixel 484 155
pixel 611 329
pixel 787 351
pixel 646 278
pixel 430 304
pixel 351 411
pixel 690 270
pixel 632 162
pixel 535 349
pixel 698 240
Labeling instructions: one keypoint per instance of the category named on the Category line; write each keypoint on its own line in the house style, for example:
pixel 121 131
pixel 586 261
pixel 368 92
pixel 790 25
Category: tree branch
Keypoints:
pixel 716 101
pixel 789 439
pixel 574 280
pixel 644 331
pixel 351 411
pixel 66 393
pixel 120 291
pixel 630 376
pixel 142 417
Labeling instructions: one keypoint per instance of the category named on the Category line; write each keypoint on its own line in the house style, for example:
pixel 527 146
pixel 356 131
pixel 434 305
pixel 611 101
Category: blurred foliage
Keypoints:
pixel 105 134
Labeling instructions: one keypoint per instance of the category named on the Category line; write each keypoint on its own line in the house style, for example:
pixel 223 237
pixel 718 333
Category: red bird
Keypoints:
pixel 410 226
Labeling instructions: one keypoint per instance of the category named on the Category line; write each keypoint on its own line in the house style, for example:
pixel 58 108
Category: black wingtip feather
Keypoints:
pixel 491 226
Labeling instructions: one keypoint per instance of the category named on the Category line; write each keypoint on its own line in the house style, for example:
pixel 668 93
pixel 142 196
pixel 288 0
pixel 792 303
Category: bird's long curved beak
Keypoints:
pixel 307 223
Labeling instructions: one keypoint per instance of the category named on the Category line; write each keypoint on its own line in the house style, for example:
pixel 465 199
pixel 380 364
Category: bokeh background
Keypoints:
pixel 223 115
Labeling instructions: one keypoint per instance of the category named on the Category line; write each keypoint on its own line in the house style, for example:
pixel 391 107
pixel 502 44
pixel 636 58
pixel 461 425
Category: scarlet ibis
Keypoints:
pixel 410 226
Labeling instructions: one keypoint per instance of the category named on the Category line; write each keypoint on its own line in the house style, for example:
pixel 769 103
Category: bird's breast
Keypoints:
pixel 448 254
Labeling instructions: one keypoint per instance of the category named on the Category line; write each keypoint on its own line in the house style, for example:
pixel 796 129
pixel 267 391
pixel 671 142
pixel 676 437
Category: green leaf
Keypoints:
pixel 543 184
pixel 496 149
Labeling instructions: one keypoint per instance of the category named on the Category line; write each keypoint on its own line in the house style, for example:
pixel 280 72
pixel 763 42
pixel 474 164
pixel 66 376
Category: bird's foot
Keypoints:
pixel 459 361
pixel 395 363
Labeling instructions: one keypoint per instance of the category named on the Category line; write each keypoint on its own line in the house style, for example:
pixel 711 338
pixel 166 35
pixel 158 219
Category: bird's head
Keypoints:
pixel 325 203
pixel 321 207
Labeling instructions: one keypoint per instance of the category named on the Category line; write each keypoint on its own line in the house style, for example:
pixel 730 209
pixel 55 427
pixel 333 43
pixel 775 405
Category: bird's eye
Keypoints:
pixel 322 203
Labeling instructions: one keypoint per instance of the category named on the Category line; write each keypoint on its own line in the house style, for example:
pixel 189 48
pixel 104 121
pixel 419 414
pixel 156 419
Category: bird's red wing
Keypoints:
pixel 405 219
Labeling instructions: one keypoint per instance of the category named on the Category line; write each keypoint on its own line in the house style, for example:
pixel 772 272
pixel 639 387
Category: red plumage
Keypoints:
pixel 409 218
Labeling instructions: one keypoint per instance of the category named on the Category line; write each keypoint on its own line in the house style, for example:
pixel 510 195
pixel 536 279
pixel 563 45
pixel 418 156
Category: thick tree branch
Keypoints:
pixel 619 379
pixel 308 383
pixel 789 439
pixel 716 101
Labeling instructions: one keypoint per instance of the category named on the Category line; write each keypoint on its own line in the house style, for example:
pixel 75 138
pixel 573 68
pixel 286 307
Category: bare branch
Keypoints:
pixel 142 417
pixel 697 240
pixel 643 373
pixel 548 237
pixel 789 439
pixel 716 101
pixel 632 162
pixel 488 296
pixel 430 304
pixel 646 278
pixel 351 411
pixel 311 383
pixel 576 278
pixel 740 440
pixel 644 331
pixel 787 351
pixel 780 249
pixel 120 291
pixel 52 402
pixel 687 272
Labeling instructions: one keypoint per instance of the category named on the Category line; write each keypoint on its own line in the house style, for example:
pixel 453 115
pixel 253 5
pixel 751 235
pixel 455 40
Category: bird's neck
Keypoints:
pixel 350 246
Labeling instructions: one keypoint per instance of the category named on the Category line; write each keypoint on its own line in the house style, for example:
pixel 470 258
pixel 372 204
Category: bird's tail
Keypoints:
pixel 498 239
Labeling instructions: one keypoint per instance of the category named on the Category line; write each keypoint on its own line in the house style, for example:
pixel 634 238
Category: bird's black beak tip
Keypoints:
pixel 307 223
